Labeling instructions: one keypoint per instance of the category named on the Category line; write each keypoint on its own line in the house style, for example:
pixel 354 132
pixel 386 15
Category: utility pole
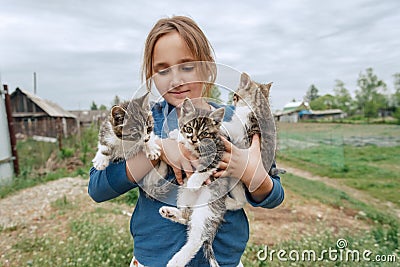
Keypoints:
pixel 34 83
pixel 13 140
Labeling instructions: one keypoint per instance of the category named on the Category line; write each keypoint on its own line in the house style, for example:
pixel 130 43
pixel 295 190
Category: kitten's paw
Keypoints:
pixel 174 134
pixel 100 162
pixel 153 152
pixel 194 183
pixel 172 214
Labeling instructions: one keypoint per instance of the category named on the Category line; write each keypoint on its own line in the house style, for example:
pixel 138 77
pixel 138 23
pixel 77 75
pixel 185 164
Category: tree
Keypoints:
pixel 370 98
pixel 396 77
pixel 342 98
pixel 116 101
pixel 323 103
pixel 215 94
pixel 230 98
pixel 102 107
pixel 311 94
pixel 396 97
pixel 93 106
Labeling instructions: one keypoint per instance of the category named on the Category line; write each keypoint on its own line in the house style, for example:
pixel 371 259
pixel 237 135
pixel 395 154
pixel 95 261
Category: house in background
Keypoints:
pixel 87 118
pixel 293 112
pixel 325 115
pixel 34 116
pixel 296 111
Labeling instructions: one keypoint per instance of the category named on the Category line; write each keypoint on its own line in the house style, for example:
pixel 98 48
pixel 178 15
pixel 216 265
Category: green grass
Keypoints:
pixel 86 239
pixel 322 149
pixel 369 168
pixel 33 156
pixel 333 197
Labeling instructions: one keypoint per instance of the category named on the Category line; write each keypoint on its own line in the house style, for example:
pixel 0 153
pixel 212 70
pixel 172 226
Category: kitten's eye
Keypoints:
pixel 204 135
pixel 149 129
pixel 136 135
pixel 188 129
pixel 235 98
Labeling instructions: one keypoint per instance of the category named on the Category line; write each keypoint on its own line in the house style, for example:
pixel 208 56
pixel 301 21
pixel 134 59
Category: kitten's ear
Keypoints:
pixel 245 81
pixel 187 106
pixel 118 115
pixel 218 115
pixel 265 88
pixel 145 100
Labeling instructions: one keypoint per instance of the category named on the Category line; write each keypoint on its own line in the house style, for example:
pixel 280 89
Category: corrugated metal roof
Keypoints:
pixel 327 112
pixel 291 105
pixel 52 109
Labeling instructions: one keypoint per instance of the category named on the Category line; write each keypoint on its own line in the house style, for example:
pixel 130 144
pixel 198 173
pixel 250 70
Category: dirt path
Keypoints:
pixel 335 183
pixel 33 203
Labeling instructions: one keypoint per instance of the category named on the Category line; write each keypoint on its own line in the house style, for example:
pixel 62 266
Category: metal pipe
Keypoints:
pixel 10 121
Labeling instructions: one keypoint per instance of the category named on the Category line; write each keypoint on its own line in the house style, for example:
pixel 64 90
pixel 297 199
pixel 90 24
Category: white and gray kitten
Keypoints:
pixel 127 131
pixel 251 101
pixel 202 208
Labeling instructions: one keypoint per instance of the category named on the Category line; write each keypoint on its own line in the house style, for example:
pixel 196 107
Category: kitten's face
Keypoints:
pixel 199 126
pixel 249 92
pixel 133 121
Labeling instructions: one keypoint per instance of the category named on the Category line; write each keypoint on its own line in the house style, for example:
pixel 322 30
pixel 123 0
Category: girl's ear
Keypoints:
pixel 218 115
pixel 118 115
pixel 187 106
pixel 245 81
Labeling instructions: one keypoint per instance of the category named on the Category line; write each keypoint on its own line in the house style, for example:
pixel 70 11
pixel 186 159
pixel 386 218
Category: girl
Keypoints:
pixel 178 58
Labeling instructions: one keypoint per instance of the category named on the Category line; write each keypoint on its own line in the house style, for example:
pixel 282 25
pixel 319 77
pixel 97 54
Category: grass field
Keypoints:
pixel 366 157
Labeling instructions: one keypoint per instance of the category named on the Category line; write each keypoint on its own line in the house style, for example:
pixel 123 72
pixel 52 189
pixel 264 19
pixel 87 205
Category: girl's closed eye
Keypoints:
pixel 163 71
pixel 187 67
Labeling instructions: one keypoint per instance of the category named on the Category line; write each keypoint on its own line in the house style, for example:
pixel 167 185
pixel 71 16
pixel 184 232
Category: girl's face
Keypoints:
pixel 175 73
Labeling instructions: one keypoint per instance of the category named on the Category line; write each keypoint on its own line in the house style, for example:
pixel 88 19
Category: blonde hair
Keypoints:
pixel 195 40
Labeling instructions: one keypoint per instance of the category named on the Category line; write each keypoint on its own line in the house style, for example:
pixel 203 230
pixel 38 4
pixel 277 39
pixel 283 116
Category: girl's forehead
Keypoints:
pixel 170 50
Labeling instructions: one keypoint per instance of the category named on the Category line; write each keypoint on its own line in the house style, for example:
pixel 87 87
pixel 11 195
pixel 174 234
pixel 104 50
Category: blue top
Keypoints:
pixel 157 239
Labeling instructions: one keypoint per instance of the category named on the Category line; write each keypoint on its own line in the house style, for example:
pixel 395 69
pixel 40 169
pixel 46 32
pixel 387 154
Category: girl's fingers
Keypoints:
pixel 222 165
pixel 228 145
pixel 221 173
pixel 178 175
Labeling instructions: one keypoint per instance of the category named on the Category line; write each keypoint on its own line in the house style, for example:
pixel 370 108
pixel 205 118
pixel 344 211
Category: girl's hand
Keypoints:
pixel 178 157
pixel 245 164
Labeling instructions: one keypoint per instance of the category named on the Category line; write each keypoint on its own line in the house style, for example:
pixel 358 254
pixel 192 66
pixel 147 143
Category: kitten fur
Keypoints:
pixel 127 131
pixel 253 98
pixel 202 208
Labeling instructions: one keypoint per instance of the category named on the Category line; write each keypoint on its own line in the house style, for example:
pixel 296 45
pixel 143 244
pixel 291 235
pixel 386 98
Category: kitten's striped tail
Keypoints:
pixel 209 253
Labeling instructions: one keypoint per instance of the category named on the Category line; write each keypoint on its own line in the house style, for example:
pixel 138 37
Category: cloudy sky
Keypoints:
pixel 91 50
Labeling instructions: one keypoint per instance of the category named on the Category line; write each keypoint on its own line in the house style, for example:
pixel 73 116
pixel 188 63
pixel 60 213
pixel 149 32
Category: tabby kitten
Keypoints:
pixel 251 100
pixel 127 131
pixel 201 208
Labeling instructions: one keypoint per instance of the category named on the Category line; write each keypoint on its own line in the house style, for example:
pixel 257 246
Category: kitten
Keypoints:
pixel 251 100
pixel 127 131
pixel 201 208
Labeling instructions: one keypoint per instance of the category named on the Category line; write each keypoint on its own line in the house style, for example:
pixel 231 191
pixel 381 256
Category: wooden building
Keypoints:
pixel 90 117
pixel 34 116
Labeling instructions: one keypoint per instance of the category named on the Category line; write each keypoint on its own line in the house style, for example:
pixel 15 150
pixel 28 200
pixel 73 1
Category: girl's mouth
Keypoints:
pixel 179 92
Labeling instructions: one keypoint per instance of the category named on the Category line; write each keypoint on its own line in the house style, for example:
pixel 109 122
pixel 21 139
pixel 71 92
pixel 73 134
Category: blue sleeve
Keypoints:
pixel 109 183
pixel 274 198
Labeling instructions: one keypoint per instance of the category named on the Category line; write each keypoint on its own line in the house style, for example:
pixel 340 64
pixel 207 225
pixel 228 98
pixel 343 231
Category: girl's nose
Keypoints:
pixel 176 78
